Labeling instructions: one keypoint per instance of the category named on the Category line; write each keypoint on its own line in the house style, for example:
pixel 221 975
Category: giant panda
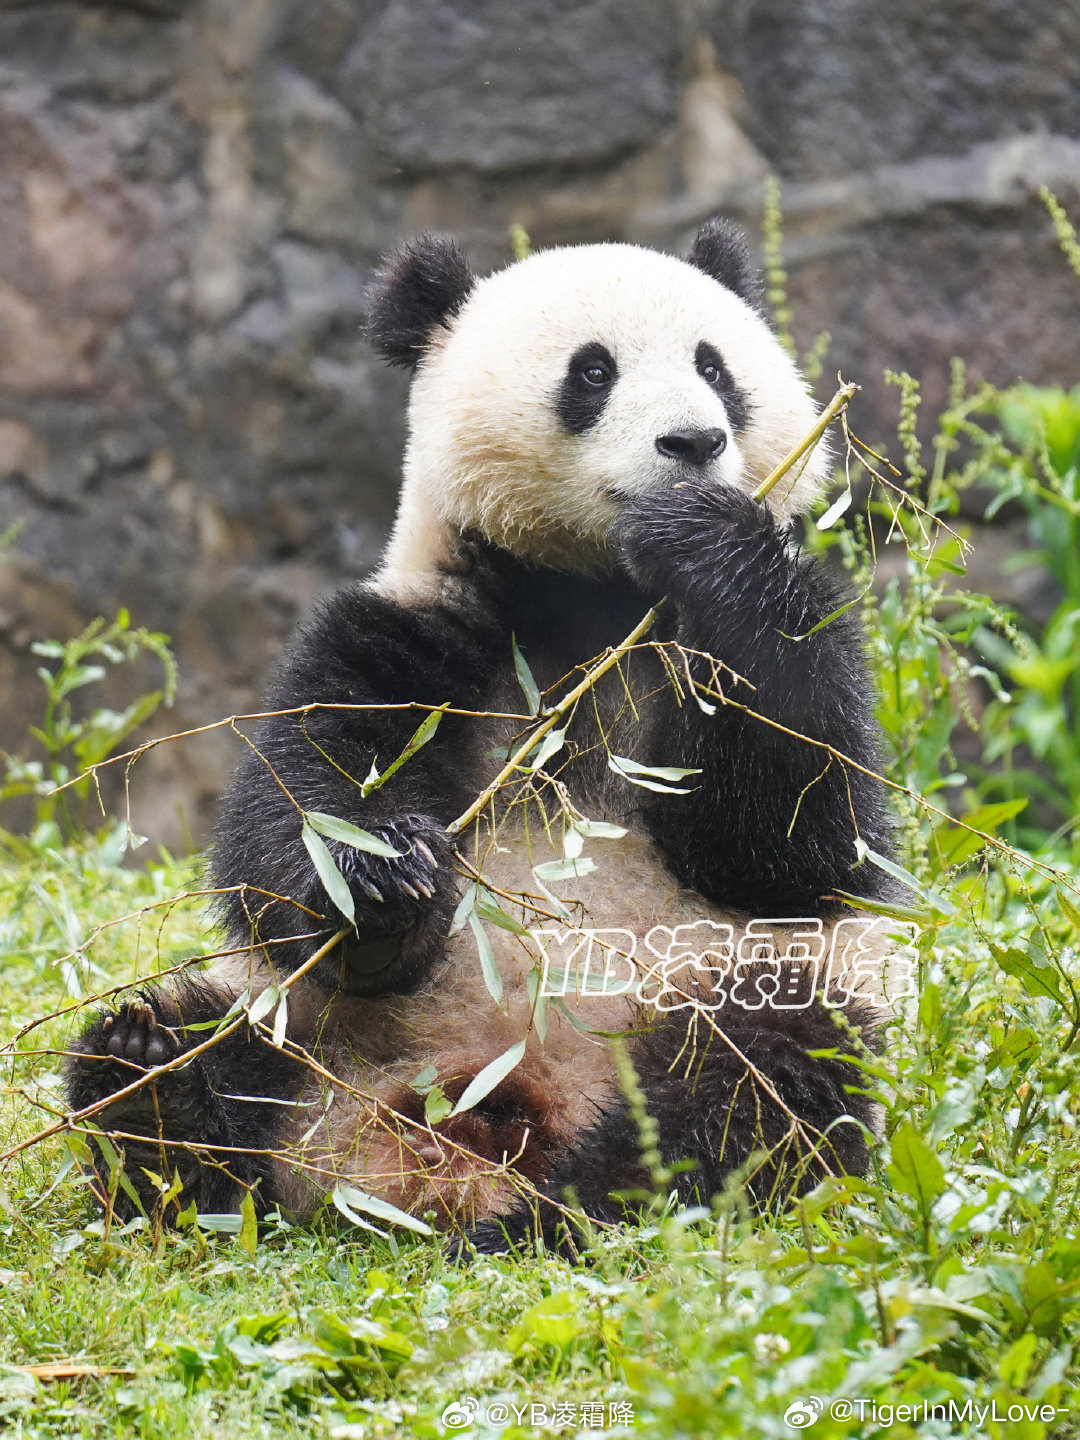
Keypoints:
pixel 585 430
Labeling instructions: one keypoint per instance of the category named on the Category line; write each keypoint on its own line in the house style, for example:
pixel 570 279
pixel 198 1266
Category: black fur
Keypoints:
pixel 710 1109
pixel 582 396
pixel 720 249
pixel 422 285
pixel 199 1102
pixel 736 401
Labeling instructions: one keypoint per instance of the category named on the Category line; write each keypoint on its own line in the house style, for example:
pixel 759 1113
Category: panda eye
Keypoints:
pixel 709 373
pixel 596 374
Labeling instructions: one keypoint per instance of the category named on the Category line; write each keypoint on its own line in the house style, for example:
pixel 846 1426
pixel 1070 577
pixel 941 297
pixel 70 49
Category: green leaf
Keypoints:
pixel 248 1238
pixel 915 1170
pixel 599 830
pixel 556 1321
pixel 835 510
pixel 1034 970
pixel 281 1020
pixel 550 745
pixel 569 869
pixel 490 1076
pixel 420 738
pixel 436 1106
pixel 488 910
pixel 464 909
pixel 335 829
pixel 328 872
pixel 635 773
pixel 525 678
pixel 263 1004
pixel 492 978
pixel 933 899
pixel 355 1199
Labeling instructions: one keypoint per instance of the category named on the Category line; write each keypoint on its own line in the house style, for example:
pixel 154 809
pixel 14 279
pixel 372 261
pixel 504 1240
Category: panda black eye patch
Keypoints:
pixel 589 379
pixel 709 364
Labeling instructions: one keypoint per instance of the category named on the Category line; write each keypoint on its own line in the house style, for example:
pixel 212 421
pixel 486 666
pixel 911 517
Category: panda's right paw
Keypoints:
pixel 393 894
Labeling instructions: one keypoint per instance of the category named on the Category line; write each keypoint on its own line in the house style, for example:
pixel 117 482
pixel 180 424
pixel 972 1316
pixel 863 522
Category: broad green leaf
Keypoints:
pixel 525 678
pixel 328 872
pixel 436 1106
pixel 492 978
pixel 557 1321
pixel 381 1209
pixel 490 1076
pixel 1034 970
pixel 348 834
pixel 915 1170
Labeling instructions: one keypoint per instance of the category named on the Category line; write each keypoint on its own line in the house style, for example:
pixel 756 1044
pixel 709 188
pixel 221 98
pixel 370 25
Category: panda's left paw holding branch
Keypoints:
pixel 665 537
pixel 391 894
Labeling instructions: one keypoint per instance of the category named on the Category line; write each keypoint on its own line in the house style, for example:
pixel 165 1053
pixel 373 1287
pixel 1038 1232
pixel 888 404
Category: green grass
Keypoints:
pixel 952 1272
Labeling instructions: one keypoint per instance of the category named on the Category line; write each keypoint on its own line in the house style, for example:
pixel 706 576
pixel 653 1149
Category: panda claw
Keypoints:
pixel 425 851
pixel 425 890
pixel 414 894
pixel 372 890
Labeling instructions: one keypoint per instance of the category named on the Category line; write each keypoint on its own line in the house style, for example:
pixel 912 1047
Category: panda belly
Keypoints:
pixel 635 952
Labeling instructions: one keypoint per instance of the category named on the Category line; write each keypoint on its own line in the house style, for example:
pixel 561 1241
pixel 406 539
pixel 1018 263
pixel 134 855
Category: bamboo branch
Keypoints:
pixel 836 406
pixel 556 713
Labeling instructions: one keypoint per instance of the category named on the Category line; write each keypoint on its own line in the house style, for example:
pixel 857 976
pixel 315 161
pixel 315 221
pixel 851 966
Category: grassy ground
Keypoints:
pixel 952 1274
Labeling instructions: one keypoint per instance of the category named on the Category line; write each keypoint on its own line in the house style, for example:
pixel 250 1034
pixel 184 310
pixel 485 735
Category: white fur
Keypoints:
pixel 486 449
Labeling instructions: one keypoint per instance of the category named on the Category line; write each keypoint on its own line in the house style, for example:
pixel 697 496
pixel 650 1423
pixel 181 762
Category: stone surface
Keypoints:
pixel 192 194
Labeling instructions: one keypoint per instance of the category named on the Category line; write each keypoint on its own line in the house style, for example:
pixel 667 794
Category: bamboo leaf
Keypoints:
pixel 263 1004
pixel 551 744
pixel 525 678
pixel 569 869
pixel 933 899
pixel 636 774
pixel 492 978
pixel 348 834
pixel 326 867
pixel 281 1020
pixel 381 1209
pixel 835 510
pixel 491 1075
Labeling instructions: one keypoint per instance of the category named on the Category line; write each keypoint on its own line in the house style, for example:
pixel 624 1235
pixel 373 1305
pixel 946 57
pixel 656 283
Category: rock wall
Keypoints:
pixel 191 195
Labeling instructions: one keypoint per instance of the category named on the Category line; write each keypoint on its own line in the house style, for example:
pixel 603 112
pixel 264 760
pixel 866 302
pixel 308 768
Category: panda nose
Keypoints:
pixel 694 447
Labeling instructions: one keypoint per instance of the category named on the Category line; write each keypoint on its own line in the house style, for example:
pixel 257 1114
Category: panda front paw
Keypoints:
pixel 667 538
pixel 392 895
pixel 121 1045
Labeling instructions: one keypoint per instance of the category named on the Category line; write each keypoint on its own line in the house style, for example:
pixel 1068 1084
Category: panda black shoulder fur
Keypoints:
pixel 585 430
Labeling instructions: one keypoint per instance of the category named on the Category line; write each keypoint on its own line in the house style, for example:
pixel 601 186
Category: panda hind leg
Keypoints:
pixel 788 1113
pixel 195 1128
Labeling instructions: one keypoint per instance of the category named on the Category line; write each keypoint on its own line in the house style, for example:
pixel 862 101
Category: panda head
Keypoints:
pixel 554 387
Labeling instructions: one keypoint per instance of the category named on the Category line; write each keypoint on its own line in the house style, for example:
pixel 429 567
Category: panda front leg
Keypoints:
pixel 771 825
pixel 362 664
pixel 210 1121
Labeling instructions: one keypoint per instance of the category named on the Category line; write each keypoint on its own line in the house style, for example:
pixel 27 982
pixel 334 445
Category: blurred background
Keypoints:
pixel 192 194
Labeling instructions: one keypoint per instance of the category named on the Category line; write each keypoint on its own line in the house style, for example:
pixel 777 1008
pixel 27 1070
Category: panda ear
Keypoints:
pixel 722 252
pixel 422 285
